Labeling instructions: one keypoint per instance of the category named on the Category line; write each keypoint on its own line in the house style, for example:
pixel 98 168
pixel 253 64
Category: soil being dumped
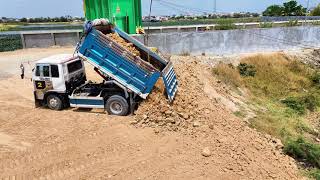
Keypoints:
pixel 185 112
pixel 128 46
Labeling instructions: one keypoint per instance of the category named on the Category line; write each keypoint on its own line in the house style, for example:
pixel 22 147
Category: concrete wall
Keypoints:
pixel 209 42
pixel 66 39
pixel 236 41
pixel 33 39
pixel 38 40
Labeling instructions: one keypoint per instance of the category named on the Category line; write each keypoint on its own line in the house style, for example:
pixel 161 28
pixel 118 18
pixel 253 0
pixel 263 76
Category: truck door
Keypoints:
pixel 42 80
pixel 57 78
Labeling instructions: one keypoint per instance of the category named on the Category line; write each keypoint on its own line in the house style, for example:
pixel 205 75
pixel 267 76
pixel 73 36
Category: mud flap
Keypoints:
pixel 170 81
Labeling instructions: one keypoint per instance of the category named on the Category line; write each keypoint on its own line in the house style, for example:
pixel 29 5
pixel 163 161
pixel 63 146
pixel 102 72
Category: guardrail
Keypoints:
pixel 210 27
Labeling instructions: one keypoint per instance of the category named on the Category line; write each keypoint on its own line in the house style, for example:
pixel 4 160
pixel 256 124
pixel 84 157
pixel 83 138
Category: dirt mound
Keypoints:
pixel 128 46
pixel 186 111
pixel 197 113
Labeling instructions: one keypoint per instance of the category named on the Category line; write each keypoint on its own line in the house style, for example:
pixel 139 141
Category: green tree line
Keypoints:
pixel 290 8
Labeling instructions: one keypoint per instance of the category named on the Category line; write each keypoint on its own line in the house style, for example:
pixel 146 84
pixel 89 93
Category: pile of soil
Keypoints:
pixel 189 109
pixel 128 46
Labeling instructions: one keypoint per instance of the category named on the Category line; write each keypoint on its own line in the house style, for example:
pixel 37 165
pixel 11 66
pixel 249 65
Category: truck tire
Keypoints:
pixel 54 102
pixel 117 105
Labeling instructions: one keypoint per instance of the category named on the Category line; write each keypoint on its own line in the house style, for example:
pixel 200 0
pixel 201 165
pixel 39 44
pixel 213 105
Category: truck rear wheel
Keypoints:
pixel 54 102
pixel 117 105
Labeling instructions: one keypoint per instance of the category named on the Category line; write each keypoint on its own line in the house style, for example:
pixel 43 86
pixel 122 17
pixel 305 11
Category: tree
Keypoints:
pixel 63 19
pixel 316 11
pixel 24 20
pixel 290 8
pixel 274 10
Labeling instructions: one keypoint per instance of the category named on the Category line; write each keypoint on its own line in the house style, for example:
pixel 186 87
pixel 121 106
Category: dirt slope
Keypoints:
pixel 80 144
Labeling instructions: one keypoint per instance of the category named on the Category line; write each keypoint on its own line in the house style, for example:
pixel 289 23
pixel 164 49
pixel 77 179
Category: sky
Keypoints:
pixel 54 8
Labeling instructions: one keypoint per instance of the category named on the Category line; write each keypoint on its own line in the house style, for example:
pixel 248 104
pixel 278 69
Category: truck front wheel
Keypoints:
pixel 117 105
pixel 54 102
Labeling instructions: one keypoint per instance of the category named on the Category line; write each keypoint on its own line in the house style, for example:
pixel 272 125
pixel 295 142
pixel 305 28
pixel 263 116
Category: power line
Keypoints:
pixel 174 8
pixel 150 11
pixel 190 9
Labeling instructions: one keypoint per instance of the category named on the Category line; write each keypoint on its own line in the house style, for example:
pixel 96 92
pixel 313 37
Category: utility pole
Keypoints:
pixel 308 3
pixel 214 6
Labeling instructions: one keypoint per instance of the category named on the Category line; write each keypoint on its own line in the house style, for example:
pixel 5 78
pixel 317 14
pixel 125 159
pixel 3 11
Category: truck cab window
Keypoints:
pixel 38 71
pixel 75 66
pixel 54 71
pixel 46 72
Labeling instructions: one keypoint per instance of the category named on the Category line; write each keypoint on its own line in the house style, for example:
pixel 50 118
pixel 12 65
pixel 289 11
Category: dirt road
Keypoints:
pixel 81 144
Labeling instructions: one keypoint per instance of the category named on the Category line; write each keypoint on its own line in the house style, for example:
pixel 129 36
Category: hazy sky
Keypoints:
pixel 38 8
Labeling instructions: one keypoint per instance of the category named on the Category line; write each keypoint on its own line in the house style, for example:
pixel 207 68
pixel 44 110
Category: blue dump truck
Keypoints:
pixel 60 81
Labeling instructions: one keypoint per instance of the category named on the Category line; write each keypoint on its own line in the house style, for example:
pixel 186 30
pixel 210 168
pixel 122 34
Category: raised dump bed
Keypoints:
pixel 137 73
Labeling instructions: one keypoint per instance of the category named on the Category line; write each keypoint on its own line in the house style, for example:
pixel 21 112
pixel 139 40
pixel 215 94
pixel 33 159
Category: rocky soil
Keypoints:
pixel 196 137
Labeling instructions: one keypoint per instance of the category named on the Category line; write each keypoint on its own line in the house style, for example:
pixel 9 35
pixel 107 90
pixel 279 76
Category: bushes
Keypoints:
pixel 316 78
pixel 247 70
pixel 303 150
pixel 294 104
pixel 301 104
pixel 10 42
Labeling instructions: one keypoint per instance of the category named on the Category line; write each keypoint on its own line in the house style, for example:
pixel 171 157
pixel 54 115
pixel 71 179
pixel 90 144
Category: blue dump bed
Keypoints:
pixel 137 73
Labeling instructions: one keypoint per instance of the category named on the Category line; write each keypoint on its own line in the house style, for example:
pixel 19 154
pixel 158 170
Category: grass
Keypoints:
pixel 277 76
pixel 278 120
pixel 225 25
pixel 24 26
pixel 8 27
pixel 292 23
pixel 266 25
pixel 284 91
pixel 228 74
pixel 314 173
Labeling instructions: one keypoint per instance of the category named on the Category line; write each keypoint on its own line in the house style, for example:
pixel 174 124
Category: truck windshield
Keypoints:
pixel 75 66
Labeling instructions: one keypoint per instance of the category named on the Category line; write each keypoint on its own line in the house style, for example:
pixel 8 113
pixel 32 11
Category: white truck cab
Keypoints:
pixel 60 82
pixel 55 76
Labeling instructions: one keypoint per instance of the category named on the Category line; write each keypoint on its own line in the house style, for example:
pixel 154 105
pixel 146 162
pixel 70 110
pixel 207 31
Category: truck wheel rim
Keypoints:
pixel 116 107
pixel 53 102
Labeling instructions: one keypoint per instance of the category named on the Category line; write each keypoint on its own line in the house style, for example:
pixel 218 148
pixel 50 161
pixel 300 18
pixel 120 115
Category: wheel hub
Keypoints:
pixel 53 102
pixel 116 108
